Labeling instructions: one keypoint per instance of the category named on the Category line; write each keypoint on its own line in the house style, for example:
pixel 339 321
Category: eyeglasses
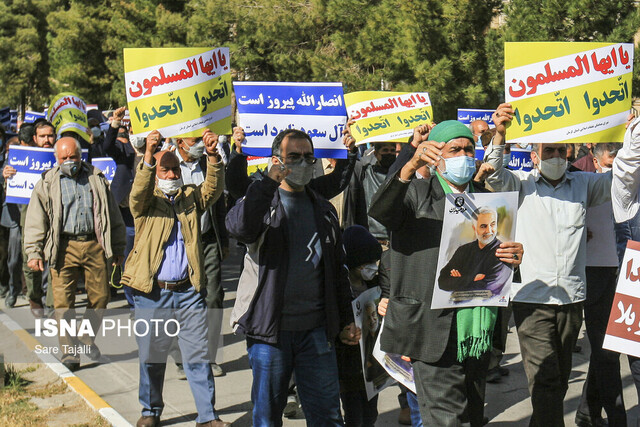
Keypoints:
pixel 296 159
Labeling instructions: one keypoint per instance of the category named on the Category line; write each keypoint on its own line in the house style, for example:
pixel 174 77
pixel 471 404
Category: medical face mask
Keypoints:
pixel 459 169
pixel 70 167
pixel 506 158
pixel 369 271
pixel 196 150
pixel 300 175
pixel 169 186
pixel 138 142
pixel 553 168
pixel 604 170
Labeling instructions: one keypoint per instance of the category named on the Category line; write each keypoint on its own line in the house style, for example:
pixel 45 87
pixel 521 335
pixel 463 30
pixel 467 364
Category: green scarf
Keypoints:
pixel 475 324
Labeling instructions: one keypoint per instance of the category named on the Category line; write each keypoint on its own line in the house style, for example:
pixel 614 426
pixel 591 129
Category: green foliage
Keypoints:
pixel 446 47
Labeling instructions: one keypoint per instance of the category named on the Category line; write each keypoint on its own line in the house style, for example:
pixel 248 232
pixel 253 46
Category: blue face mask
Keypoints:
pixel 460 169
pixel 506 158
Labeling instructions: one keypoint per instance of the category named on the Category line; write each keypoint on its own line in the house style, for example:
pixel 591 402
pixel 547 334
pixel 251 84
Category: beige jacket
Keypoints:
pixel 153 216
pixel 44 221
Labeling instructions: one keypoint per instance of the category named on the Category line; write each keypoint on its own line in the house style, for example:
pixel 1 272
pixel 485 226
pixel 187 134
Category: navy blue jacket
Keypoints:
pixel 258 220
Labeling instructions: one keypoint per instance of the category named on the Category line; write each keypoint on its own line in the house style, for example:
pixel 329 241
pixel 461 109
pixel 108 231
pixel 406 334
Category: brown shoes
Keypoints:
pixel 148 421
pixel 214 423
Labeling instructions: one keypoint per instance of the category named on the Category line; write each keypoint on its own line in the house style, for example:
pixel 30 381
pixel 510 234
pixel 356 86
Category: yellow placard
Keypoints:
pixel 178 91
pixel 568 92
pixel 68 113
pixel 387 116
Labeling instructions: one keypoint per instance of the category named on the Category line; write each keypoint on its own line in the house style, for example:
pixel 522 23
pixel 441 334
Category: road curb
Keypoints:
pixel 75 383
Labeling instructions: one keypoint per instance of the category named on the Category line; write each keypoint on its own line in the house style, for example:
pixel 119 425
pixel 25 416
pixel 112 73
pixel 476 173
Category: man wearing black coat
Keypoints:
pixel 449 391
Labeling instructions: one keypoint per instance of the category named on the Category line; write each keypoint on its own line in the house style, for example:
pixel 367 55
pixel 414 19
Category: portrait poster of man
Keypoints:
pixel 365 312
pixel 469 273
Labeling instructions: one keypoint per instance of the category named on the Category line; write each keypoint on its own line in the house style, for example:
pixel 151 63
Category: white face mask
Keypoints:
pixel 369 271
pixel 553 168
pixel 604 170
pixel 169 186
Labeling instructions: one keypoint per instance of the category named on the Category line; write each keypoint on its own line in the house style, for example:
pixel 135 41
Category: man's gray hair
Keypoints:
pixel 484 210
pixel 606 147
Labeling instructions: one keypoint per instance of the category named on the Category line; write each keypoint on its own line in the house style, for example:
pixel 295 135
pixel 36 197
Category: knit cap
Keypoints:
pixel 360 246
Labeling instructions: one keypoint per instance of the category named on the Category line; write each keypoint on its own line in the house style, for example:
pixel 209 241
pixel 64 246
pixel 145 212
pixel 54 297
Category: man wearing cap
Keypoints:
pixel 449 348
pixel 547 304
pixel 165 270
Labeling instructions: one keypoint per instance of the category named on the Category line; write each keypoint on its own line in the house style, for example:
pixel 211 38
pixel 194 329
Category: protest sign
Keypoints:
pixel 468 115
pixel 32 116
pixel 29 163
pixel 5 117
pixel 568 92
pixel 365 315
pixel 387 116
pixel 623 329
pixel 178 91
pixel 267 108
pixel 397 366
pixel 69 113
pixel 520 157
pixel 256 163
pixel 469 273
pixel 106 165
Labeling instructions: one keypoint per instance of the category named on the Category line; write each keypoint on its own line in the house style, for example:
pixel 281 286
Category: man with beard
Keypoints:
pixel 474 266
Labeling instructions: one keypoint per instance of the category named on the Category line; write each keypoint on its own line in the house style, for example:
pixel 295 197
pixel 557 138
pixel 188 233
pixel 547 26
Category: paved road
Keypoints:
pixel 117 382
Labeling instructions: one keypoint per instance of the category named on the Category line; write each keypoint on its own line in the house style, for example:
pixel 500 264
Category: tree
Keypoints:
pixel 566 20
pixel 24 59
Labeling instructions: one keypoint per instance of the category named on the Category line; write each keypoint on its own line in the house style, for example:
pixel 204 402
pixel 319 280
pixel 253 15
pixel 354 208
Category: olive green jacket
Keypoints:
pixel 44 219
pixel 153 215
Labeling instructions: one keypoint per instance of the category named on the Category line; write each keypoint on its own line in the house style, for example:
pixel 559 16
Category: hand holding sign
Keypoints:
pixel 421 134
pixel 118 114
pixel 347 139
pixel 153 139
pixel 210 140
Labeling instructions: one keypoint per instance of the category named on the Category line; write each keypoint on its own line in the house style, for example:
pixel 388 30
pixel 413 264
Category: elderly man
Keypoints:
pixel 293 297
pixel 449 348
pixel 547 305
pixel 166 271
pixel 74 224
pixel 474 266
pixel 477 128
pixel 214 237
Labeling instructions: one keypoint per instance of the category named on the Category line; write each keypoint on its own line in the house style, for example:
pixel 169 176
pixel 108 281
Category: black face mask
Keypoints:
pixel 123 135
pixel 386 160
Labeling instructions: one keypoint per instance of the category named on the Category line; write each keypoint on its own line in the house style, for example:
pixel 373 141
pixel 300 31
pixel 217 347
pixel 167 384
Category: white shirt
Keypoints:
pixel 551 227
pixel 626 175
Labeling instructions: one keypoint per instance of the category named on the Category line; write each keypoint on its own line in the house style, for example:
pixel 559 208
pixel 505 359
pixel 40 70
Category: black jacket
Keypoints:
pixel 258 220
pixel 413 213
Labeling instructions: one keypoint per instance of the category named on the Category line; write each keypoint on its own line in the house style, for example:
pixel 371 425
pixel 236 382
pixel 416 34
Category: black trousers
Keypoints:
pixel 449 392
pixel 603 387
pixel 547 334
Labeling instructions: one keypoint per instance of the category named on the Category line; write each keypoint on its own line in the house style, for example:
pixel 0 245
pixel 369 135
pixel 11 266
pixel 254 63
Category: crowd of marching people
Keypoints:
pixel 316 233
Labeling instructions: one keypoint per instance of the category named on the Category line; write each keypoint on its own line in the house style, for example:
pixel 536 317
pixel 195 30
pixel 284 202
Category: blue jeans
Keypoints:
pixel 313 359
pixel 189 310
pixel 131 235
pixel 414 407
